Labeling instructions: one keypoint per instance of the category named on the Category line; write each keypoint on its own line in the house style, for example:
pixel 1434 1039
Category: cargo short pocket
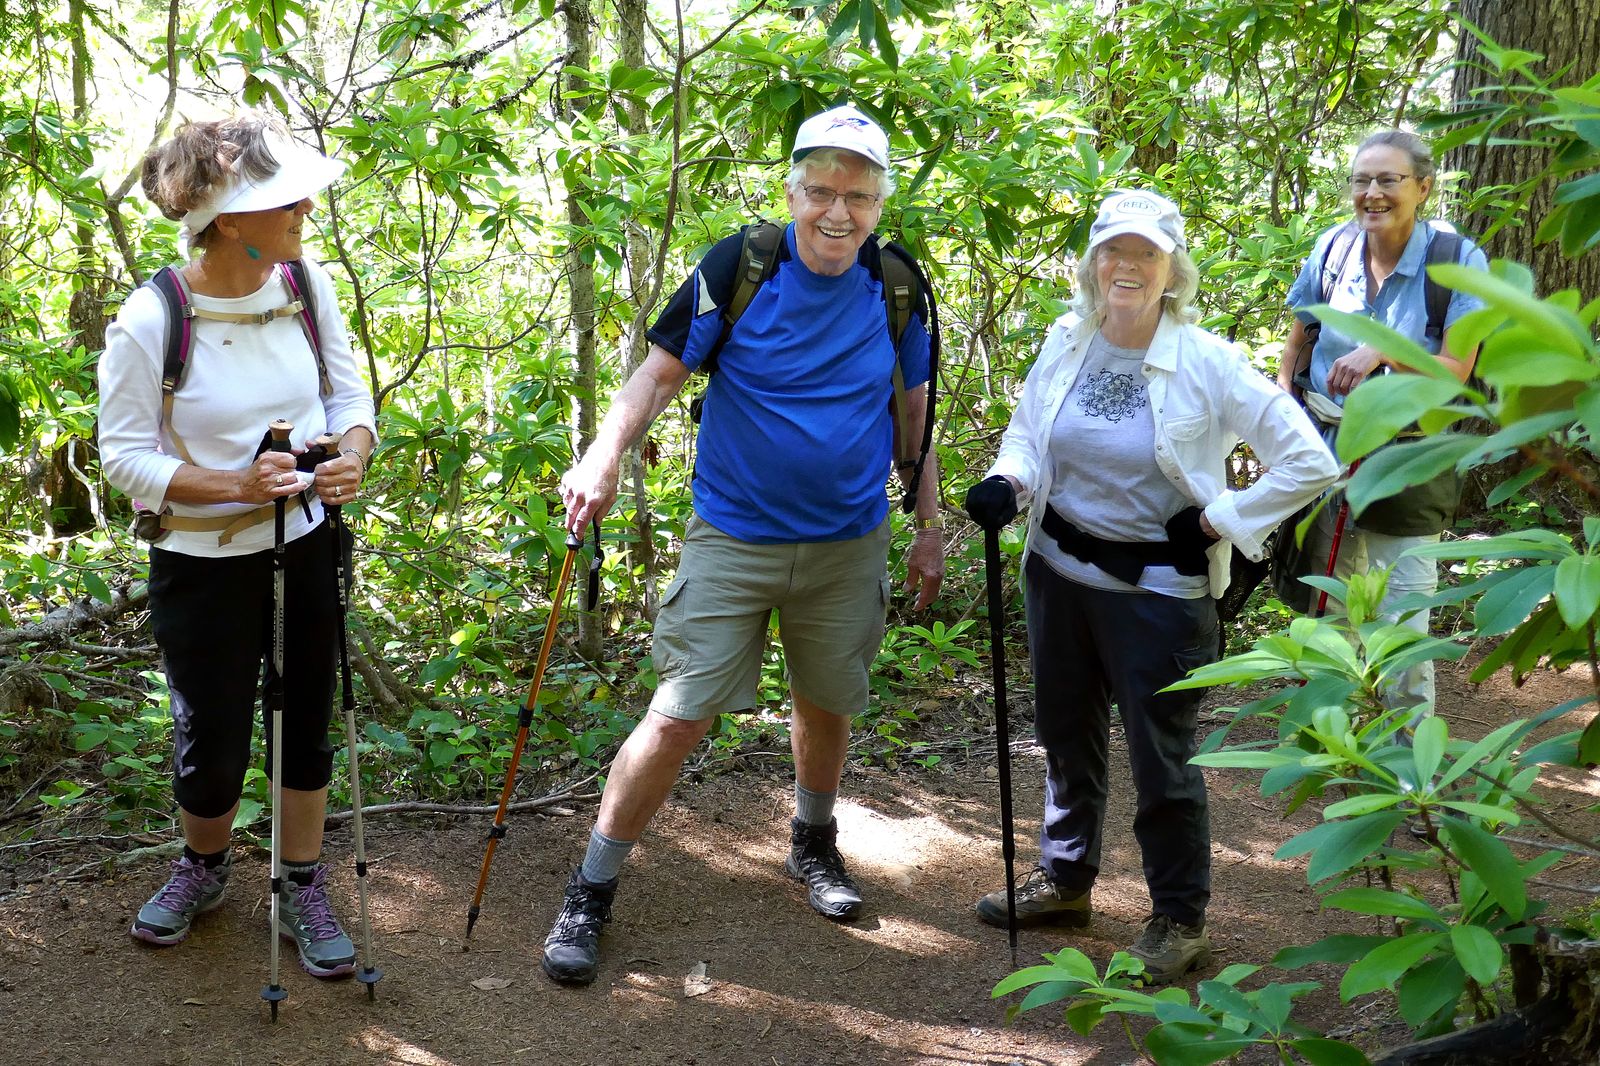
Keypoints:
pixel 668 649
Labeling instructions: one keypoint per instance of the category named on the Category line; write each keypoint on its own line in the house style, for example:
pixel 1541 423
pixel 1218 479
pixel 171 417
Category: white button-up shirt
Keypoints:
pixel 1205 398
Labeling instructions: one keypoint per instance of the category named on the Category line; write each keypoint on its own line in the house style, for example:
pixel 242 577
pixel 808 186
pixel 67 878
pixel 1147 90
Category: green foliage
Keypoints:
pixel 1222 1021
pixel 1521 108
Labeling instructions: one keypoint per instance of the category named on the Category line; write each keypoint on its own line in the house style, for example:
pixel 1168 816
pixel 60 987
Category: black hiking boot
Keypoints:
pixel 572 950
pixel 814 858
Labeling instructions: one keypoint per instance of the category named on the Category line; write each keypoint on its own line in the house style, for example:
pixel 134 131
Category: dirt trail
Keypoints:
pixel 907 984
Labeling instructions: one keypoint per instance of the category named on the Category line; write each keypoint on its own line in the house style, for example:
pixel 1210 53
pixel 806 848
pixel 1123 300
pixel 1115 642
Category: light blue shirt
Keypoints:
pixel 1401 303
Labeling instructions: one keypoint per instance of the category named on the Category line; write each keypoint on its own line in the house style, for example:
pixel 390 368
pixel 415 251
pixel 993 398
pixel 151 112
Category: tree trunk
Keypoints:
pixel 1567 33
pixel 631 16
pixel 1561 1027
pixel 580 274
pixel 69 503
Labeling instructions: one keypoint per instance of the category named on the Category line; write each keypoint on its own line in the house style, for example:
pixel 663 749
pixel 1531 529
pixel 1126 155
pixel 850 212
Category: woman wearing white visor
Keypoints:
pixel 256 350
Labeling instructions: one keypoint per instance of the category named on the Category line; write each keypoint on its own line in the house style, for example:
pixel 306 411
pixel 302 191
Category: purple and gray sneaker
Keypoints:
pixel 192 889
pixel 306 917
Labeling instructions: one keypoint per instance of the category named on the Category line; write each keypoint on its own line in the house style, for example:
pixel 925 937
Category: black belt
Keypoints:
pixel 1124 560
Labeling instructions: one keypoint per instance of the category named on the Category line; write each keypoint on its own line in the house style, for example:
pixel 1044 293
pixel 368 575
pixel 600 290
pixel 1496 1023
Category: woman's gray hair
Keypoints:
pixel 180 174
pixel 1409 143
pixel 825 161
pixel 1177 301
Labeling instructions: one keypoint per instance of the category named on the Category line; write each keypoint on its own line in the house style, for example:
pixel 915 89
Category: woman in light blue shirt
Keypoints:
pixel 1376 265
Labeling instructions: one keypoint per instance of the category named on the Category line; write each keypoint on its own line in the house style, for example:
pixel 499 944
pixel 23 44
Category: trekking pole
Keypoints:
pixel 274 992
pixel 497 832
pixel 369 974
pixel 1002 728
pixel 1338 538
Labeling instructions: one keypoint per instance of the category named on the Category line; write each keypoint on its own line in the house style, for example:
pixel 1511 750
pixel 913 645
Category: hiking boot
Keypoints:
pixel 572 950
pixel 192 889
pixel 306 917
pixel 1170 949
pixel 814 858
pixel 1040 901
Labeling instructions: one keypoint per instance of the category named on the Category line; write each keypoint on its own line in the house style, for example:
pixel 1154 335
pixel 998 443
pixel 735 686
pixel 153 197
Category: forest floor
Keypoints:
pixel 908 983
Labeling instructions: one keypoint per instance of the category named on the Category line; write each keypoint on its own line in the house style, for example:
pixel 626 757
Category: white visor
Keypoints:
pixel 302 172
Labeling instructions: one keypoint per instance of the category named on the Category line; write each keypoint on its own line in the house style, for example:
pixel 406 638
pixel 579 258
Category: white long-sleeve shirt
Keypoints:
pixel 240 377
pixel 1204 398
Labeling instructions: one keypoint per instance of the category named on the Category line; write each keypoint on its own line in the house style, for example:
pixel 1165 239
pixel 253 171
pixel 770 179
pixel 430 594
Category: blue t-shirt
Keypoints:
pixel 1401 303
pixel 796 434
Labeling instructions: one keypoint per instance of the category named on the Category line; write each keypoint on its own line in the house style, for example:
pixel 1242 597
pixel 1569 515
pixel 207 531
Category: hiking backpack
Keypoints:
pixel 1445 247
pixel 903 283
pixel 180 312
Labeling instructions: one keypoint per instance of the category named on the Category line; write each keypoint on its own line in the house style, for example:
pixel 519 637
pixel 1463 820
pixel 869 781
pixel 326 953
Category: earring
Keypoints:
pixel 252 251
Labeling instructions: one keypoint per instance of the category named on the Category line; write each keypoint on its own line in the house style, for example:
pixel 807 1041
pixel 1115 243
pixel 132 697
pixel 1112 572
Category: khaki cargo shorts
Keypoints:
pixel 711 631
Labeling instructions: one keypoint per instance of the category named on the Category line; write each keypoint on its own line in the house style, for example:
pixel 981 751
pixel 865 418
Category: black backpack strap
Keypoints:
pixel 298 279
pixel 761 246
pixel 178 308
pixel 1444 247
pixel 904 286
pixel 169 286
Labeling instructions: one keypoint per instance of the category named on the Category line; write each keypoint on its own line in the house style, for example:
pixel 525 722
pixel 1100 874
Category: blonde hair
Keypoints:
pixel 181 173
pixel 1177 301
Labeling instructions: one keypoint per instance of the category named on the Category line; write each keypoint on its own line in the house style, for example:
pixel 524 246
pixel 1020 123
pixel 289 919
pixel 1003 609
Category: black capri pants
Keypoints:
pixel 213 623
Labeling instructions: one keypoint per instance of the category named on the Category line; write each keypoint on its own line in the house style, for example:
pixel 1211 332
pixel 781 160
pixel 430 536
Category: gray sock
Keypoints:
pixel 813 808
pixel 604 859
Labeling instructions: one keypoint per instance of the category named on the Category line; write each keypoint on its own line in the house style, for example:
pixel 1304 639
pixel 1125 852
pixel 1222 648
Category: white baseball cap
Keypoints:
pixel 302 171
pixel 843 127
pixel 1143 214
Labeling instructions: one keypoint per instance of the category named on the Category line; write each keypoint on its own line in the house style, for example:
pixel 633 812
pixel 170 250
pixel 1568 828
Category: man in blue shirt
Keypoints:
pixel 791 514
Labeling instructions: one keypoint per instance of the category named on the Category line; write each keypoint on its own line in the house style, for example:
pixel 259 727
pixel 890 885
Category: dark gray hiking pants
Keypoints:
pixel 1092 648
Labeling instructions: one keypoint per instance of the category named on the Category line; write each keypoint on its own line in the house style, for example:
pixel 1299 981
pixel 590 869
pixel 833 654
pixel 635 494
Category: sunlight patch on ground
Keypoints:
pixel 909 937
pixel 382 1042
pixel 879 847
pixel 859 1028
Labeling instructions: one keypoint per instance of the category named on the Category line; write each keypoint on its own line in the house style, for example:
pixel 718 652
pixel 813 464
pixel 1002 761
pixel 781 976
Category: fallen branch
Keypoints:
pixel 571 795
pixel 57 626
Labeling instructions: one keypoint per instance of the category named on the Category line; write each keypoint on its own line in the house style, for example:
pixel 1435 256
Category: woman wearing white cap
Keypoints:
pixel 242 189
pixel 1119 444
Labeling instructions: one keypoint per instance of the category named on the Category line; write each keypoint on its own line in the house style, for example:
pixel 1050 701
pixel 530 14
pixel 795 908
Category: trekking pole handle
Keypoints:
pixel 280 428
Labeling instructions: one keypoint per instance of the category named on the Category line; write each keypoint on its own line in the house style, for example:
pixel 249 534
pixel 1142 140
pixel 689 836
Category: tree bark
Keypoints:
pixel 630 45
pixel 69 504
pixel 580 272
pixel 1567 33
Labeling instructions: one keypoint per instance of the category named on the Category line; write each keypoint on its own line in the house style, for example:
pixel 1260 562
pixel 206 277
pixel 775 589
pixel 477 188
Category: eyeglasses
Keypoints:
pixel 1386 182
pixel 822 196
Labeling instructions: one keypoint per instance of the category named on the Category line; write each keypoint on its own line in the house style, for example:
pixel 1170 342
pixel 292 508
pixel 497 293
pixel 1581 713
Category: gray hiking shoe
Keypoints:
pixel 306 917
pixel 814 859
pixel 1040 901
pixel 192 889
pixel 1170 949
pixel 572 950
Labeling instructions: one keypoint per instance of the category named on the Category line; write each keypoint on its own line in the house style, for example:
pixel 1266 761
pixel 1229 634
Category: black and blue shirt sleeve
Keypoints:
pixel 691 323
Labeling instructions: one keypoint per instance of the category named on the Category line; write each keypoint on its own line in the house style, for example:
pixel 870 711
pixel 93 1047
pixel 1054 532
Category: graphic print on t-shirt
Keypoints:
pixel 1111 396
